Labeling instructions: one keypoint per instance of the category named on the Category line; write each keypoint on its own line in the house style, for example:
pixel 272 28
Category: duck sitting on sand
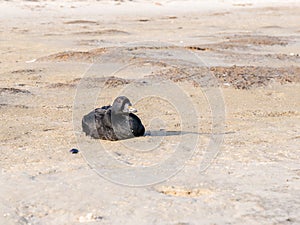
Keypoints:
pixel 114 122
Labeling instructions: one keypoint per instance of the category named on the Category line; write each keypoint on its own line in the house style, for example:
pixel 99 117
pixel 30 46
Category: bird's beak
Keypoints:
pixel 131 109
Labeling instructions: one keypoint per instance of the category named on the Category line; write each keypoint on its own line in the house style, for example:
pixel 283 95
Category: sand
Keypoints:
pixel 216 83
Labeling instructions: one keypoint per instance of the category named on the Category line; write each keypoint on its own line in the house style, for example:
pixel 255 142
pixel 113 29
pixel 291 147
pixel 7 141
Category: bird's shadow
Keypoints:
pixel 164 133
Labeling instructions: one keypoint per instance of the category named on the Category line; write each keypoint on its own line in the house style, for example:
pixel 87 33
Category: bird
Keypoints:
pixel 113 122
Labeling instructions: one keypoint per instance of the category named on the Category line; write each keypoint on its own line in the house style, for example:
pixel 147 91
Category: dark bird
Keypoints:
pixel 114 122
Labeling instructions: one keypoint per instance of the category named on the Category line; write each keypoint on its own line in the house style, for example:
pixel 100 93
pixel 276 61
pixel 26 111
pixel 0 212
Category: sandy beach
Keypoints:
pixel 216 84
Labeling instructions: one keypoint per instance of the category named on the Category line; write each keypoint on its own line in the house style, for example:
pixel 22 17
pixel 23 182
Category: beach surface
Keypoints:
pixel 216 84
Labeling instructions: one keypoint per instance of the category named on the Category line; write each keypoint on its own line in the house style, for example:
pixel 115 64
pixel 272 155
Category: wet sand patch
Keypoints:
pixel 183 191
pixel 239 77
pixel 80 22
pixel 14 91
pixel 103 32
pixel 83 56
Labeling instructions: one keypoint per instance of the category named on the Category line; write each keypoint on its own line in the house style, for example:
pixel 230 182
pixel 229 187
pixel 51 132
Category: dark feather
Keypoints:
pixel 98 123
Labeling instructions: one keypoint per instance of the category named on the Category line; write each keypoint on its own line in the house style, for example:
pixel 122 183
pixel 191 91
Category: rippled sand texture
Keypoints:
pixel 60 59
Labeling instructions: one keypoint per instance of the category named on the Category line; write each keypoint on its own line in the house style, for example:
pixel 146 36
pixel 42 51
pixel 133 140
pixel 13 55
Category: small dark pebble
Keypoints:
pixel 74 151
pixel 98 217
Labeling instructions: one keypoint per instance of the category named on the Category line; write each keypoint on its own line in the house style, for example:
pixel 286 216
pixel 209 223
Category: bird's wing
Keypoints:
pixel 103 123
